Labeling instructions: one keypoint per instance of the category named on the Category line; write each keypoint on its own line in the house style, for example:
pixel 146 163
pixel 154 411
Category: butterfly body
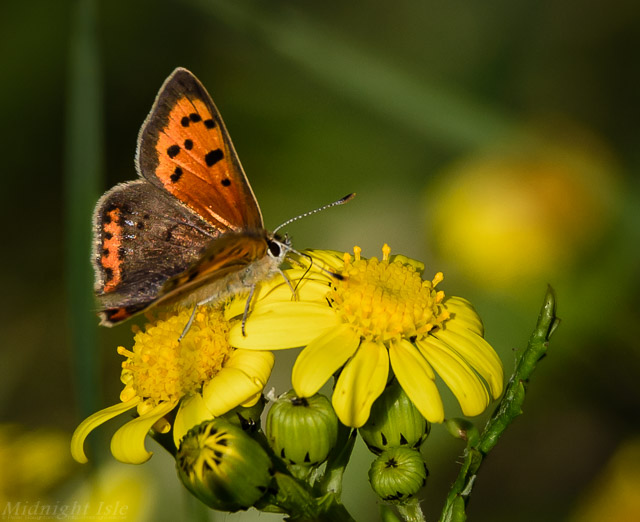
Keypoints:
pixel 189 230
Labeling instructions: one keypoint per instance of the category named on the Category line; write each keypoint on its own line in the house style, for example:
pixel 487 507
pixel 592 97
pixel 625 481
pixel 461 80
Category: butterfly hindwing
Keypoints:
pixel 141 240
pixel 185 149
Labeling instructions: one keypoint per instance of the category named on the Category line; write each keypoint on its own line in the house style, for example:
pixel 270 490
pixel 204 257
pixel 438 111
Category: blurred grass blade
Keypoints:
pixel 440 113
pixel 83 177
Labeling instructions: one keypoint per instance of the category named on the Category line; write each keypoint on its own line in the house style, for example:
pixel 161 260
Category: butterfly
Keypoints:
pixel 189 230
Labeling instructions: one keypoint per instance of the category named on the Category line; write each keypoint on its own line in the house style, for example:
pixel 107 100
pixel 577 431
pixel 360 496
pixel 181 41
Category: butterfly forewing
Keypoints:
pixel 185 149
pixel 229 254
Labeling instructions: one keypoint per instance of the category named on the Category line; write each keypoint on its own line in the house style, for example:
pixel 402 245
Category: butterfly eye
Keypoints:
pixel 274 248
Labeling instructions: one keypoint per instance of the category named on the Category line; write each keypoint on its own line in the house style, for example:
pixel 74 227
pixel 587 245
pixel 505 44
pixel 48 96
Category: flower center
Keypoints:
pixel 387 299
pixel 161 368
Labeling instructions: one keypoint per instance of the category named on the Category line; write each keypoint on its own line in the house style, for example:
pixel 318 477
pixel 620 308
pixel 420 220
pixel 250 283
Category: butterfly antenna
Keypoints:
pixel 341 201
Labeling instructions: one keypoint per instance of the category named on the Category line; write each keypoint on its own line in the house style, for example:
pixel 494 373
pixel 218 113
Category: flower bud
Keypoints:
pixel 398 474
pixel 302 430
pixel 394 421
pixel 463 429
pixel 222 466
pixel 246 418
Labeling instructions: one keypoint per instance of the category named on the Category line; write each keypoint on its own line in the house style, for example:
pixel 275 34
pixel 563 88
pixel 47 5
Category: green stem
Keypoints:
pixel 509 408
pixel 411 511
pixel 331 482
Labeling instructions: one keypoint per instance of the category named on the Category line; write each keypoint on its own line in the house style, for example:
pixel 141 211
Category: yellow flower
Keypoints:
pixel 377 314
pixel 202 374
pixel 533 209
pixel 613 495
pixel 33 462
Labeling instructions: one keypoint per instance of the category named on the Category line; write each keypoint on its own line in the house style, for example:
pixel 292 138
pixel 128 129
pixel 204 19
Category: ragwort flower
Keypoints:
pixel 201 373
pixel 380 313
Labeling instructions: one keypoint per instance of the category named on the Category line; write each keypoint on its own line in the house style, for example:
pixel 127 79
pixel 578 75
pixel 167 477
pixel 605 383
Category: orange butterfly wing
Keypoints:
pixel 185 149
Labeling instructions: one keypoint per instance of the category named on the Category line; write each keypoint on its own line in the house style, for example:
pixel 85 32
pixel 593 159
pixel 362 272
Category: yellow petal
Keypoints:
pixel 417 379
pixel 278 326
pixel 257 364
pixel 463 313
pixel 92 422
pixel 361 382
pixel 192 412
pixel 330 259
pixel 231 387
pixel 251 401
pixel 477 352
pixel 308 286
pixel 457 375
pixel 127 444
pixel 321 358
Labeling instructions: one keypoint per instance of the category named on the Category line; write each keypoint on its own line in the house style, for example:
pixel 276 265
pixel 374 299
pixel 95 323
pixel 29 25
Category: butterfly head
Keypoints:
pixel 278 247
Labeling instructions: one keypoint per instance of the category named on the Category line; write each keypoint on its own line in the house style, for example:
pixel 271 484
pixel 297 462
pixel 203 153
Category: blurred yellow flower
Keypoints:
pixel 523 214
pixel 614 495
pixel 202 373
pixel 377 314
pixel 32 462
pixel 115 492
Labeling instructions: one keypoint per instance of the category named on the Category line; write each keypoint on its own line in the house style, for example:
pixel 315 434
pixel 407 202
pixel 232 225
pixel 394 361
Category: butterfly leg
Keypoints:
pixel 189 323
pixel 247 306
pixel 294 297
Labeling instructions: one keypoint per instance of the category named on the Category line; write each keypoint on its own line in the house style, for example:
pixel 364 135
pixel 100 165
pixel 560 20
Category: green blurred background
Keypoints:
pixel 496 141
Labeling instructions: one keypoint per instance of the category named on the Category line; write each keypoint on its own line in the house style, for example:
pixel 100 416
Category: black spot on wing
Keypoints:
pixel 225 182
pixel 194 117
pixel 188 144
pixel 177 174
pixel 185 121
pixel 212 157
pixel 173 151
pixel 209 124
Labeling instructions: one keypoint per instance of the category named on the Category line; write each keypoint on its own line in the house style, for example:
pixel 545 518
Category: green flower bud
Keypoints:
pixel 222 466
pixel 246 418
pixel 302 430
pixel 393 422
pixel 463 429
pixel 398 474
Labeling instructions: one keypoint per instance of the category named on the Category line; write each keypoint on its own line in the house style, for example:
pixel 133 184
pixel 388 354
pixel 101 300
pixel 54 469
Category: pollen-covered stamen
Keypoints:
pixel 387 299
pixel 160 368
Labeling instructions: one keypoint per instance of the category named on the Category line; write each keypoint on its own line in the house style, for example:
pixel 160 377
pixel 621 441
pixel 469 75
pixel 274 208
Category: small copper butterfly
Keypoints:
pixel 190 229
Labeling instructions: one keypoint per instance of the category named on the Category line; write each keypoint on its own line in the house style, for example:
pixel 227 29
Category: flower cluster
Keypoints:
pixel 382 330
